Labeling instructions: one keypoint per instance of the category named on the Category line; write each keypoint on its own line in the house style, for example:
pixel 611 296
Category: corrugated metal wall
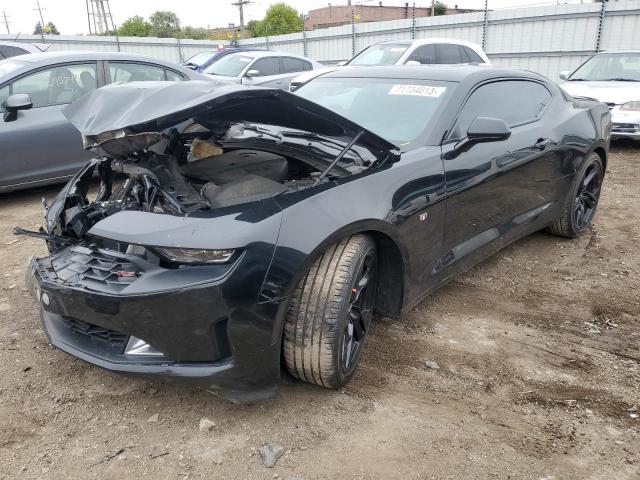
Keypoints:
pixel 169 49
pixel 544 39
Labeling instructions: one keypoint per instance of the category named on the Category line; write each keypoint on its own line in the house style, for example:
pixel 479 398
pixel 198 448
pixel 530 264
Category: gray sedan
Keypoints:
pixel 261 68
pixel 37 144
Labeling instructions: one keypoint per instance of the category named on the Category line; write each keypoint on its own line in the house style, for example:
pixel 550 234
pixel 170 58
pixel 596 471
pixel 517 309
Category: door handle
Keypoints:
pixel 542 143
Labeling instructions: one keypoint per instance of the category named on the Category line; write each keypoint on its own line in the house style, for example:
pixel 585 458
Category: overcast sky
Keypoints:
pixel 71 18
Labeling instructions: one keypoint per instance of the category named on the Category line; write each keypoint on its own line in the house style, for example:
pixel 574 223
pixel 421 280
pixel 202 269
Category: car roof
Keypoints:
pixel 426 41
pixel 268 53
pixel 447 73
pixel 605 52
pixel 47 58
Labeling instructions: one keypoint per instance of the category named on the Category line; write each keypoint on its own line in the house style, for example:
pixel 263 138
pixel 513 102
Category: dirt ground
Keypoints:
pixel 539 374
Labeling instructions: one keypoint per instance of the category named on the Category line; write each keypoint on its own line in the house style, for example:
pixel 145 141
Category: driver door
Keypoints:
pixel 40 144
pixel 498 191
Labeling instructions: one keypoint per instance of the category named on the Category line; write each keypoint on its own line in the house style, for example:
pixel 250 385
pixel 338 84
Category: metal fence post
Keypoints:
pixel 413 21
pixel 603 13
pixel 353 32
pixel 304 43
pixel 485 24
pixel 180 50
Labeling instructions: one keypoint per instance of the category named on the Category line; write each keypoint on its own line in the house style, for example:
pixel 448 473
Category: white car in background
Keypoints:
pixel 426 51
pixel 612 78
pixel 263 68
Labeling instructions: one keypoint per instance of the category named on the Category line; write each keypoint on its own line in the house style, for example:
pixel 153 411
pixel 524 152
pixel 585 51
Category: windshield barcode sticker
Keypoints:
pixel 419 90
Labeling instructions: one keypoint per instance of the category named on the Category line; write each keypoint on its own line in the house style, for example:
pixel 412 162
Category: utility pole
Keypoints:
pixel 6 22
pixel 240 4
pixel 433 7
pixel 39 9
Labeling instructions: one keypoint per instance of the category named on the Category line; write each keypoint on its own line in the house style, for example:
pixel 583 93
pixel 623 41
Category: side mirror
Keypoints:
pixel 565 74
pixel 486 129
pixel 481 130
pixel 341 64
pixel 252 73
pixel 14 103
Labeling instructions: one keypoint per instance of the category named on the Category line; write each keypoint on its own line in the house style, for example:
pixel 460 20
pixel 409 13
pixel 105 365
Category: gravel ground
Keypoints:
pixel 526 367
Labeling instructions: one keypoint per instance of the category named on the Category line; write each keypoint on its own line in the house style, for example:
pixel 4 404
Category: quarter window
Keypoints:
pixel 266 66
pixel 290 65
pixel 55 86
pixel 135 72
pixel 514 101
pixel 173 76
pixel 469 55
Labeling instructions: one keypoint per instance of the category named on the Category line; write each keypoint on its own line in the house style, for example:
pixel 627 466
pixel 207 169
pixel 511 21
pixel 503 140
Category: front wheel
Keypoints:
pixel 330 313
pixel 582 200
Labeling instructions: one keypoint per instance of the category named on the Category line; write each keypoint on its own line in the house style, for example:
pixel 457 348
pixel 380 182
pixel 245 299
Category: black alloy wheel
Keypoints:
pixel 330 313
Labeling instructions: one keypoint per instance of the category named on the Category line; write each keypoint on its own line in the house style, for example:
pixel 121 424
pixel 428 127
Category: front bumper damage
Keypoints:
pixel 207 334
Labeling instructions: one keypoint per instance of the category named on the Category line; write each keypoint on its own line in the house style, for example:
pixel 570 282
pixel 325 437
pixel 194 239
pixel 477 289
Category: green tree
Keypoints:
pixel 38 30
pixel 164 24
pixel 440 8
pixel 195 33
pixel 279 19
pixel 135 27
pixel 253 27
pixel 50 29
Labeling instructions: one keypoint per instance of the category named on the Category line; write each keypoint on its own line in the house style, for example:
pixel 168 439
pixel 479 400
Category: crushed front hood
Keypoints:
pixel 125 110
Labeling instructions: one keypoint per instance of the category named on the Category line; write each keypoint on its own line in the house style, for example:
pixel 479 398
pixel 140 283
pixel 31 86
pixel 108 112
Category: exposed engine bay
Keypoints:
pixel 199 170
pixel 192 148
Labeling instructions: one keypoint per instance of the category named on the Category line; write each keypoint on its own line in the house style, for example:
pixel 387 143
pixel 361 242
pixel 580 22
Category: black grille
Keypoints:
pixel 624 127
pixel 94 269
pixel 101 334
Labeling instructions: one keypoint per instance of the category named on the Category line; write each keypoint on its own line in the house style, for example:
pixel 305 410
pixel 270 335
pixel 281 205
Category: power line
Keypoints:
pixel 240 4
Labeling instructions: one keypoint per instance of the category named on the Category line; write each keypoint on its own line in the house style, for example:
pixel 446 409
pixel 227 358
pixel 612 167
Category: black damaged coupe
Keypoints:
pixel 238 230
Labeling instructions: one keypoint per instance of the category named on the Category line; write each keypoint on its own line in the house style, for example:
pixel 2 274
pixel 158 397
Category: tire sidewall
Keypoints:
pixel 590 160
pixel 343 377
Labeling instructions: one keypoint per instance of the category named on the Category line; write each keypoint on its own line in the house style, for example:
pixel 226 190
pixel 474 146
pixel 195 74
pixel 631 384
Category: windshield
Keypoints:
pixel 8 66
pixel 229 65
pixel 396 110
pixel 200 58
pixel 613 66
pixel 380 54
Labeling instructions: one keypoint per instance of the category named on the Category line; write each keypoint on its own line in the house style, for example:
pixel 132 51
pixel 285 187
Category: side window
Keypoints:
pixel 135 72
pixel 470 55
pixel 290 65
pixel 10 51
pixel 266 66
pixel 173 76
pixel 514 101
pixel 58 85
pixel 448 53
pixel 425 54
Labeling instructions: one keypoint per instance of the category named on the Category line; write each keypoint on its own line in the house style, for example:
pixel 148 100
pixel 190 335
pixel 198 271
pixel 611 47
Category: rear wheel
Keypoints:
pixel 582 200
pixel 330 313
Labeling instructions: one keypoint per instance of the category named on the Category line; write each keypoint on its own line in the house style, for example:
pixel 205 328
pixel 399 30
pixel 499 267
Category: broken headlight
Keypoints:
pixel 195 255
